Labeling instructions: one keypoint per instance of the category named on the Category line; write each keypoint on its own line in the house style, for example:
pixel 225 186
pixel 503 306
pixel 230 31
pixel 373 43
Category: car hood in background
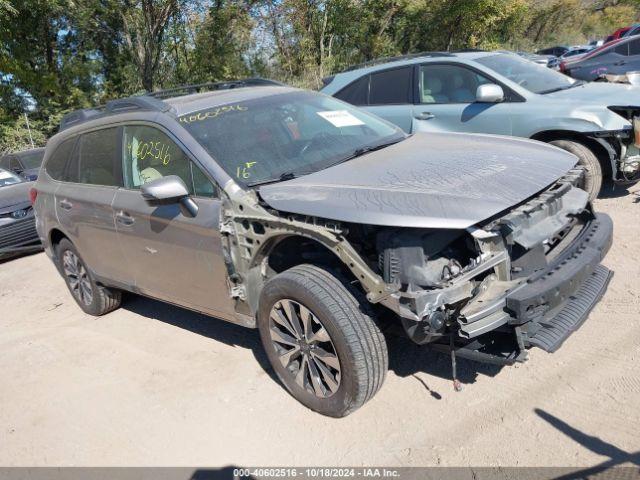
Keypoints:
pixel 14 197
pixel 601 93
pixel 429 180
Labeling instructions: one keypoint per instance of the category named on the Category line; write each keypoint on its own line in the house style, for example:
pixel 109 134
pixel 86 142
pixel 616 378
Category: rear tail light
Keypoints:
pixel 636 131
pixel 33 194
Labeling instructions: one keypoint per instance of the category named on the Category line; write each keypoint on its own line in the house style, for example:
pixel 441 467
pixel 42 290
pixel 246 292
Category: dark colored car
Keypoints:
pixel 26 164
pixel 618 58
pixel 17 220
pixel 555 51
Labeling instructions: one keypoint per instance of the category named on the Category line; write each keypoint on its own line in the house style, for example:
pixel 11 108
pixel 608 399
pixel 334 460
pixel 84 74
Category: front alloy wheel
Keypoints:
pixel 304 348
pixel 321 339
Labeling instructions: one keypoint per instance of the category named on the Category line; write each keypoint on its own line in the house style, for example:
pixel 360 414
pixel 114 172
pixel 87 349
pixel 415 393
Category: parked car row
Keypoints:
pixel 315 221
pixel 502 93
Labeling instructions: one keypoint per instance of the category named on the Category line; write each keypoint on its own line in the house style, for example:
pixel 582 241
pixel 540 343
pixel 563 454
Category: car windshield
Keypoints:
pixel 286 135
pixel 31 160
pixel 535 78
pixel 8 178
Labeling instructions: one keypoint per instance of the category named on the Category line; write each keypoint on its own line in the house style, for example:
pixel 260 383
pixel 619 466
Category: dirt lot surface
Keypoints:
pixel 151 384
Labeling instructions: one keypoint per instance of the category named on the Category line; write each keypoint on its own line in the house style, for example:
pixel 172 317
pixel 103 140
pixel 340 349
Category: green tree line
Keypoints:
pixel 60 55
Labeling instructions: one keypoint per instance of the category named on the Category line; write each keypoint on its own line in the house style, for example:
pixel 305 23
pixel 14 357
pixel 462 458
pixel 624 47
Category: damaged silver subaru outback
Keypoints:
pixel 319 224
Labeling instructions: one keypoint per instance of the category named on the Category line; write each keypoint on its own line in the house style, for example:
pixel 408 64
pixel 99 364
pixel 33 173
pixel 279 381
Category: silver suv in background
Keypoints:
pixel 504 94
pixel 312 220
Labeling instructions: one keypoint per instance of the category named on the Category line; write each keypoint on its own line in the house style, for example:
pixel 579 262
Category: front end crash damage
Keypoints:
pixel 622 146
pixel 525 278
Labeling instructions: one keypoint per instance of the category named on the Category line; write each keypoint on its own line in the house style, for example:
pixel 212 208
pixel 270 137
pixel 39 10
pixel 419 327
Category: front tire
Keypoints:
pixel 92 298
pixel 324 346
pixel 587 159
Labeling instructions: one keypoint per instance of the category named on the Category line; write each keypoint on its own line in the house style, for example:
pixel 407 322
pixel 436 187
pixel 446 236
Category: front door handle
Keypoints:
pixel 124 218
pixel 424 116
pixel 65 204
pixel 621 62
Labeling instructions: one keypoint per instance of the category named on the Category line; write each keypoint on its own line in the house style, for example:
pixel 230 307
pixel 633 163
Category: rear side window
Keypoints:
pixel 56 164
pixel 99 159
pixel 355 93
pixel 622 49
pixel 391 87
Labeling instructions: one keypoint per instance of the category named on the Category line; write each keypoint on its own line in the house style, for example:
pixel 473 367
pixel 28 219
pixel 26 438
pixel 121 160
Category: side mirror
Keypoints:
pixel 489 93
pixel 170 189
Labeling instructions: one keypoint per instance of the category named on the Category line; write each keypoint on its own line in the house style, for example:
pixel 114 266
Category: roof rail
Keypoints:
pixel 211 86
pixel 112 107
pixel 409 56
pixel 153 101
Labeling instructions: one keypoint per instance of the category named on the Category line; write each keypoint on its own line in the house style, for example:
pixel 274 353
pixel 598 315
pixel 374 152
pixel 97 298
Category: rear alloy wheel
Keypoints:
pixel 77 278
pixel 320 339
pixel 586 158
pixel 92 298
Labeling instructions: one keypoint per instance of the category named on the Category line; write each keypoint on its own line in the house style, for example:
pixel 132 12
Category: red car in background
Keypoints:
pixel 616 35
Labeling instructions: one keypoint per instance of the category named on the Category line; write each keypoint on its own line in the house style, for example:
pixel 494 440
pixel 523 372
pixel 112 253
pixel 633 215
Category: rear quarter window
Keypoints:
pixel 355 93
pixel 56 165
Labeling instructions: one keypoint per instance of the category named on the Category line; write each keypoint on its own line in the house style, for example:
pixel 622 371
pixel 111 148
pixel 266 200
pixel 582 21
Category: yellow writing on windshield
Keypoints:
pixel 243 170
pixel 216 112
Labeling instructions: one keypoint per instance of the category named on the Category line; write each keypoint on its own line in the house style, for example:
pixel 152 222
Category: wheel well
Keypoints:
pixel 599 151
pixel 55 237
pixel 292 250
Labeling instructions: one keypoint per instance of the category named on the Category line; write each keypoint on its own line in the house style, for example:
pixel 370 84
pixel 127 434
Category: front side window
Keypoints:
pixel 287 134
pixel 449 84
pixel 391 87
pixel 535 78
pixel 634 47
pixel 99 159
pixel 149 154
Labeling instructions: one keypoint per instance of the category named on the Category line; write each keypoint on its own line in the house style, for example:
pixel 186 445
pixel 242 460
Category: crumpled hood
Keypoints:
pixel 430 180
pixel 14 197
pixel 601 93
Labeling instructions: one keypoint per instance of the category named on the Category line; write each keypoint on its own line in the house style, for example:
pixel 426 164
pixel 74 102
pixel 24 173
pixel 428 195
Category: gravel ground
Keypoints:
pixel 152 384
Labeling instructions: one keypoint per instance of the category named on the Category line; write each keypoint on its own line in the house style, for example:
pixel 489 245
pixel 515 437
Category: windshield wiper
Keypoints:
pixel 566 87
pixel 284 176
pixel 358 152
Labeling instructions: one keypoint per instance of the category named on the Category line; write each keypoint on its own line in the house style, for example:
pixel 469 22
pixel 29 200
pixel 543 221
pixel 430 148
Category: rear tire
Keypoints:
pixel 92 298
pixel 587 159
pixel 340 332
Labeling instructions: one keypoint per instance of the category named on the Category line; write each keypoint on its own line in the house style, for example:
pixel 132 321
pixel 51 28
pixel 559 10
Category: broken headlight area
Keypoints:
pixel 489 290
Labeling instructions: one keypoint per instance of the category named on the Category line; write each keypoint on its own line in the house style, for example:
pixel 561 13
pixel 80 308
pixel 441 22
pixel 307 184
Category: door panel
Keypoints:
pixel 170 256
pixel 86 214
pixel 399 115
pixel 173 257
pixel 446 93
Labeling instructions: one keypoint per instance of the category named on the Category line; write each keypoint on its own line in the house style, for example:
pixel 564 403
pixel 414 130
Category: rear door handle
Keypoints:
pixel 124 218
pixel 621 62
pixel 424 116
pixel 65 204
